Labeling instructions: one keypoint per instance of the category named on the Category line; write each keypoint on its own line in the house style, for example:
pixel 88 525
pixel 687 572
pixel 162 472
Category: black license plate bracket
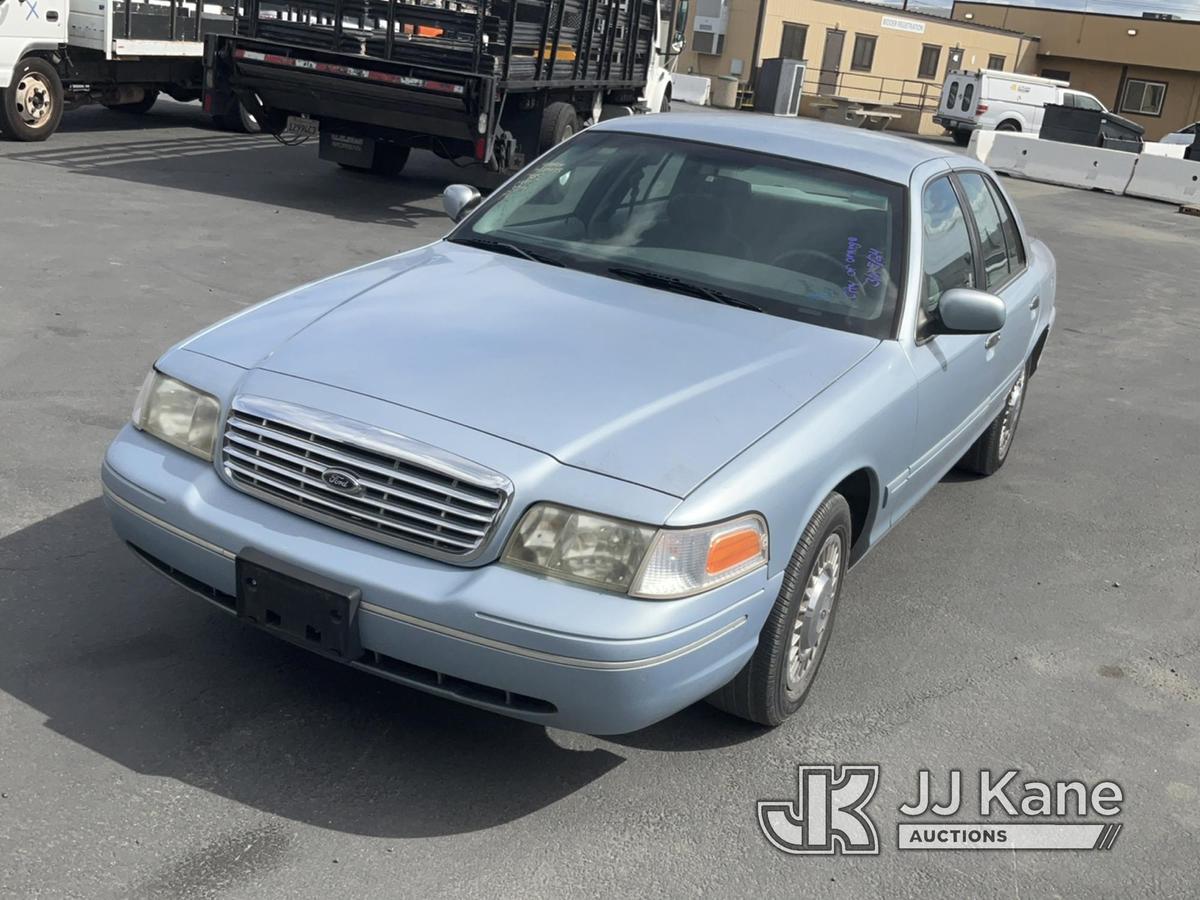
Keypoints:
pixel 309 609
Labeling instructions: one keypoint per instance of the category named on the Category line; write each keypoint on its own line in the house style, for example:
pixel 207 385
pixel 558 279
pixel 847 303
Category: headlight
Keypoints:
pixel 178 414
pixel 636 559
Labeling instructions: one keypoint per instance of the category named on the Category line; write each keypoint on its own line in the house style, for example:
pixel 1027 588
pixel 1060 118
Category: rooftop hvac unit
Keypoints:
pixel 780 86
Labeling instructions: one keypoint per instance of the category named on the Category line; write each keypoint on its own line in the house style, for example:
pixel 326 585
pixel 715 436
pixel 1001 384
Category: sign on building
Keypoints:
pixel 897 24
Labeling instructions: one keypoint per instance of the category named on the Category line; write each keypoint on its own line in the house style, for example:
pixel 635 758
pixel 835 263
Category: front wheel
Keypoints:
pixel 991 450
pixel 32 105
pixel 778 677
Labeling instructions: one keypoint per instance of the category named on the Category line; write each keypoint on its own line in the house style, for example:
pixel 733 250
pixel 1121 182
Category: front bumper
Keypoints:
pixel 459 632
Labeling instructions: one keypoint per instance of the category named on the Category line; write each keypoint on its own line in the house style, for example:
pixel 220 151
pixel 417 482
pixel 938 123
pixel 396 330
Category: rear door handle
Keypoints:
pixel 992 341
pixel 1035 303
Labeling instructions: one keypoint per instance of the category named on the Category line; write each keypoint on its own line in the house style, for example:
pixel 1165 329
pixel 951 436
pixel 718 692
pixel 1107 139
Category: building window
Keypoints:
pixel 1145 98
pixel 791 46
pixel 996 63
pixel 1056 74
pixel 864 53
pixel 930 54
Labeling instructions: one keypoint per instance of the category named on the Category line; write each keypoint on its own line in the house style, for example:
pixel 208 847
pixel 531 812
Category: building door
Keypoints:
pixel 953 61
pixel 831 61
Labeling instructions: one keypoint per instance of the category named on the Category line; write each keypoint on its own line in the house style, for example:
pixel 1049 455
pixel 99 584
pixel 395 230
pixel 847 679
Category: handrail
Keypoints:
pixel 911 93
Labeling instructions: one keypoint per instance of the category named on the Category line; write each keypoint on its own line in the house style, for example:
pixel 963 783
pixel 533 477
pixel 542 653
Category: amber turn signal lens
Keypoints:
pixel 732 549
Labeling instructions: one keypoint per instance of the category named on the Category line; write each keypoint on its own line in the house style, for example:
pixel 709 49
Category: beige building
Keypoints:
pixel 853 49
pixel 1147 70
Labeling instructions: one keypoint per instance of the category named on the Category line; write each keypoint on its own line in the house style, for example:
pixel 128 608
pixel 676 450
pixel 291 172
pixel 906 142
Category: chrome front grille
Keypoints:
pixel 362 479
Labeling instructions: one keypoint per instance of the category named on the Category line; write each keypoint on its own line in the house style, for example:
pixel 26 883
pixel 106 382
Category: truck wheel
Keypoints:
pixel 961 136
pixel 389 159
pixel 991 450
pixel 559 122
pixel 1009 125
pixel 32 105
pixel 137 107
pixel 237 118
pixel 792 644
pixel 666 101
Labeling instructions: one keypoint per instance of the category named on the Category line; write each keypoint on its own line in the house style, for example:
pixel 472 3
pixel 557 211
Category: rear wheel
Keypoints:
pixel 32 105
pixel 991 450
pixel 137 107
pixel 778 677
pixel 236 118
pixel 559 122
pixel 389 159
pixel 1009 125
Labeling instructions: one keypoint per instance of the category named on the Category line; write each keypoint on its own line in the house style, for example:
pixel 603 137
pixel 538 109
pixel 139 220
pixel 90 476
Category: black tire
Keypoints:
pixel 559 122
pixel 137 107
pixel 991 450
pixel 33 79
pixel 762 691
pixel 389 159
pixel 1009 125
pixel 666 101
pixel 961 136
pixel 237 119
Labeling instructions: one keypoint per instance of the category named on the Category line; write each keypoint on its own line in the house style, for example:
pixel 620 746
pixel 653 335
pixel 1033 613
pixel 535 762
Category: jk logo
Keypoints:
pixel 828 815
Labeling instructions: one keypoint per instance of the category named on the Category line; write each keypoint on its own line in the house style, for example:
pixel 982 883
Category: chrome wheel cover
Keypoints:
pixel 816 610
pixel 1012 411
pixel 34 99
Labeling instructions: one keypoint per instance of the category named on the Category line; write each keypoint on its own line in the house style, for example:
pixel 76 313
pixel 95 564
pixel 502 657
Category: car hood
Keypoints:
pixel 636 383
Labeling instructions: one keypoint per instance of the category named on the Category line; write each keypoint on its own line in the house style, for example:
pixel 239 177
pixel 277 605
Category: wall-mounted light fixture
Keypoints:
pixel 968 15
pixel 1131 32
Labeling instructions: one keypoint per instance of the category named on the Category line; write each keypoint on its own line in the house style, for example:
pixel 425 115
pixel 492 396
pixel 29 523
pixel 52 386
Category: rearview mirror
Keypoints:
pixel 460 199
pixel 968 311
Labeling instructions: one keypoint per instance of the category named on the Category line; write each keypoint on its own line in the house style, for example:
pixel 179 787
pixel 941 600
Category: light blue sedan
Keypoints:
pixel 609 447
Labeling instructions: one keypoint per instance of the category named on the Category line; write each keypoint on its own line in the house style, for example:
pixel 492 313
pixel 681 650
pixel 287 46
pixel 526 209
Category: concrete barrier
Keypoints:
pixel 1071 165
pixel 1164 178
pixel 1004 151
pixel 690 89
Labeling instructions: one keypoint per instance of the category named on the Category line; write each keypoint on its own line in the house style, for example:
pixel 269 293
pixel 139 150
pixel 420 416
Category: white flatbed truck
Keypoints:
pixel 58 54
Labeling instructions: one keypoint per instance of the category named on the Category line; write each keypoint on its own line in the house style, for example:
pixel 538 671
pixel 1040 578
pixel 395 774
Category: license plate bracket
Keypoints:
pixel 309 609
pixel 303 127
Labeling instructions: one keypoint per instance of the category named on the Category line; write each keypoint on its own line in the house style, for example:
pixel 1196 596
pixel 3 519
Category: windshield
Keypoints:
pixel 780 236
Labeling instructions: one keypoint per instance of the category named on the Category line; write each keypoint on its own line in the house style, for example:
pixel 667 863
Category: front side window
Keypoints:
pixel 786 237
pixel 992 243
pixel 1144 98
pixel 947 258
pixel 928 66
pixel 864 53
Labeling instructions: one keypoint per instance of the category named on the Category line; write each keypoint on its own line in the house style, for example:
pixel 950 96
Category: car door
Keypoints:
pixel 958 375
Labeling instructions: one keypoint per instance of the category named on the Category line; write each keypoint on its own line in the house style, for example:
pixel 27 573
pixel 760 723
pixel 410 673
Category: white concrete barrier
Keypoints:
pixel 1004 151
pixel 690 89
pixel 1163 178
pixel 1071 165
pixel 1175 151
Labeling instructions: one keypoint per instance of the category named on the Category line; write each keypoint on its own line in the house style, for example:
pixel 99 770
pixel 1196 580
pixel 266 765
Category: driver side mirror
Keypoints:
pixel 968 311
pixel 460 199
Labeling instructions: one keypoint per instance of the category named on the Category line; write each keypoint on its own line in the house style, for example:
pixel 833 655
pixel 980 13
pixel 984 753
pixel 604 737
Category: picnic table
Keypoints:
pixel 870 114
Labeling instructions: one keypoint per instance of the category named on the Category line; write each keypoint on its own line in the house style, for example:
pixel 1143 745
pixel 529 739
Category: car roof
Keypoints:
pixel 883 156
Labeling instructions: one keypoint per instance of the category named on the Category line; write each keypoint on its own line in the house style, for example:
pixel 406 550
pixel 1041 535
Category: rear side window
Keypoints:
pixel 992 242
pixel 947 259
pixel 1012 234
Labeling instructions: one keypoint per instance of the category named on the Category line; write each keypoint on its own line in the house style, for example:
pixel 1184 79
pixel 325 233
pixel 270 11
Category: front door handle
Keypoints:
pixel 1035 303
pixel 992 341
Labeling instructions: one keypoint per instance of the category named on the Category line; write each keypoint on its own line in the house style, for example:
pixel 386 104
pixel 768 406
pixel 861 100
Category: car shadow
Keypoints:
pixel 122 662
pixel 176 146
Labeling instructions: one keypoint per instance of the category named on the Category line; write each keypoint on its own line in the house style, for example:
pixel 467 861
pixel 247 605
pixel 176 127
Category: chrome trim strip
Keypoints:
pixel 553 658
pixel 167 526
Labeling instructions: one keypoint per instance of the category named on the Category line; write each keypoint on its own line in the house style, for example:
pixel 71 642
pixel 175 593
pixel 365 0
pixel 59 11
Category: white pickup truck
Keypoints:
pixel 1002 101
pixel 56 54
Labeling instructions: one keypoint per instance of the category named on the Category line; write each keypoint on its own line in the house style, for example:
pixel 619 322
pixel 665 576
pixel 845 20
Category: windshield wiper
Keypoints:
pixel 682 286
pixel 506 247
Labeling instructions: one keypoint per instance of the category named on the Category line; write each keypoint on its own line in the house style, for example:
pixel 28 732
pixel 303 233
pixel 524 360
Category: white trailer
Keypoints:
pixel 57 54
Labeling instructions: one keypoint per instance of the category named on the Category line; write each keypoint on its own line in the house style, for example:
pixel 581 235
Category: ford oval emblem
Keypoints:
pixel 341 480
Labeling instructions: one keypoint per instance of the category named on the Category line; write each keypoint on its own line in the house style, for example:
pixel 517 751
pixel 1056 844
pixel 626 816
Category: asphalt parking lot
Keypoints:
pixel 1043 619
